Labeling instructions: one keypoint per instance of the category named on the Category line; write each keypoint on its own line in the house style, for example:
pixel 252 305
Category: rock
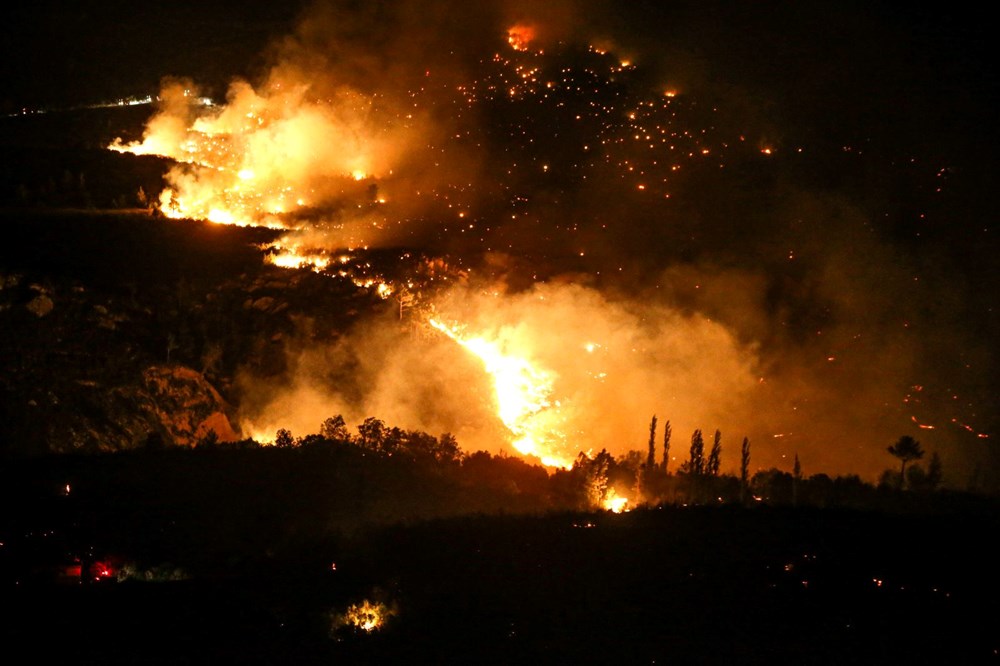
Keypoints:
pixel 263 304
pixel 186 405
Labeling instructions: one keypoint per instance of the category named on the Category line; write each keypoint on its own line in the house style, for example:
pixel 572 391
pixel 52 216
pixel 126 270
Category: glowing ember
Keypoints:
pixel 367 616
pixel 293 257
pixel 523 394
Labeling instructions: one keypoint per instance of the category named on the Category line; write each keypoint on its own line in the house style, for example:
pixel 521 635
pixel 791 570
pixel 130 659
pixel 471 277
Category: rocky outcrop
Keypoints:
pixel 185 405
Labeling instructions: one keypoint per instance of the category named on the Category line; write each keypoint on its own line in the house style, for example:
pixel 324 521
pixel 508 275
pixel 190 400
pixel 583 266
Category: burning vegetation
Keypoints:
pixel 458 158
pixel 366 616
pixel 545 167
pixel 475 333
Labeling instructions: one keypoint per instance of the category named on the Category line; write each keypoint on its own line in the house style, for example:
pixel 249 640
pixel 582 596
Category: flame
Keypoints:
pixel 292 256
pixel 523 394
pixel 614 502
pixel 260 435
pixel 366 616
pixel 520 36
pixel 263 155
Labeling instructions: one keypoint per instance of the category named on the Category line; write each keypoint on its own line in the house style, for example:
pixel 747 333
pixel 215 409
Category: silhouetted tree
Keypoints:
pixel 694 468
pixel 392 440
pixel 419 445
pixel 773 485
pixel 695 464
pixel 210 440
pixel 651 455
pixel 335 428
pixel 595 479
pixel 906 449
pixel 934 472
pixel 924 480
pixel 667 430
pixel 629 471
pixel 889 479
pixel 817 490
pixel 714 456
pixel 916 477
pixel 744 468
pixel 283 439
pixel 372 433
pixel 448 449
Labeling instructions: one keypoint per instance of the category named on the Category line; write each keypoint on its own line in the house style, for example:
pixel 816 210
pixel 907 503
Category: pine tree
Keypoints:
pixel 667 430
pixel 651 456
pixel 906 449
pixel 696 459
pixel 714 456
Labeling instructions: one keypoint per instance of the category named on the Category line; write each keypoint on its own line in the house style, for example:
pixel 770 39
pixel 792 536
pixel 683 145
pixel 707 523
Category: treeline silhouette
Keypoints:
pixel 264 542
pixel 221 505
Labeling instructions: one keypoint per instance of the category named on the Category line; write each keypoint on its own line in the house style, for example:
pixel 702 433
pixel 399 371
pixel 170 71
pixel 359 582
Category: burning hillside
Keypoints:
pixel 568 231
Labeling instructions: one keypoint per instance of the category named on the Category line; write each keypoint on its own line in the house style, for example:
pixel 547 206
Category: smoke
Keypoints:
pixel 614 363
pixel 734 294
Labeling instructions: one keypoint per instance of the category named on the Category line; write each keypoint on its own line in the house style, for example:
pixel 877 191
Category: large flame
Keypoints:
pixel 262 156
pixel 520 36
pixel 367 616
pixel 614 502
pixel 523 395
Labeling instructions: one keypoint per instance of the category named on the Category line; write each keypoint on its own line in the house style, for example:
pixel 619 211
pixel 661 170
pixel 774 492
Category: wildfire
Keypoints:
pixel 293 257
pixel 614 502
pixel 367 616
pixel 520 36
pixel 523 394
pixel 261 156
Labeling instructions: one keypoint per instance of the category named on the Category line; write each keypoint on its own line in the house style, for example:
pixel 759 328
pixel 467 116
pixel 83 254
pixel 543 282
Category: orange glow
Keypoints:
pixel 523 394
pixel 264 154
pixel 367 616
pixel 520 36
pixel 614 502
pixel 291 257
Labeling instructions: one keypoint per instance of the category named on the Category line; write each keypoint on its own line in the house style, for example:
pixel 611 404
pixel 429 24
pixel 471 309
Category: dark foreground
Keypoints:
pixel 670 585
